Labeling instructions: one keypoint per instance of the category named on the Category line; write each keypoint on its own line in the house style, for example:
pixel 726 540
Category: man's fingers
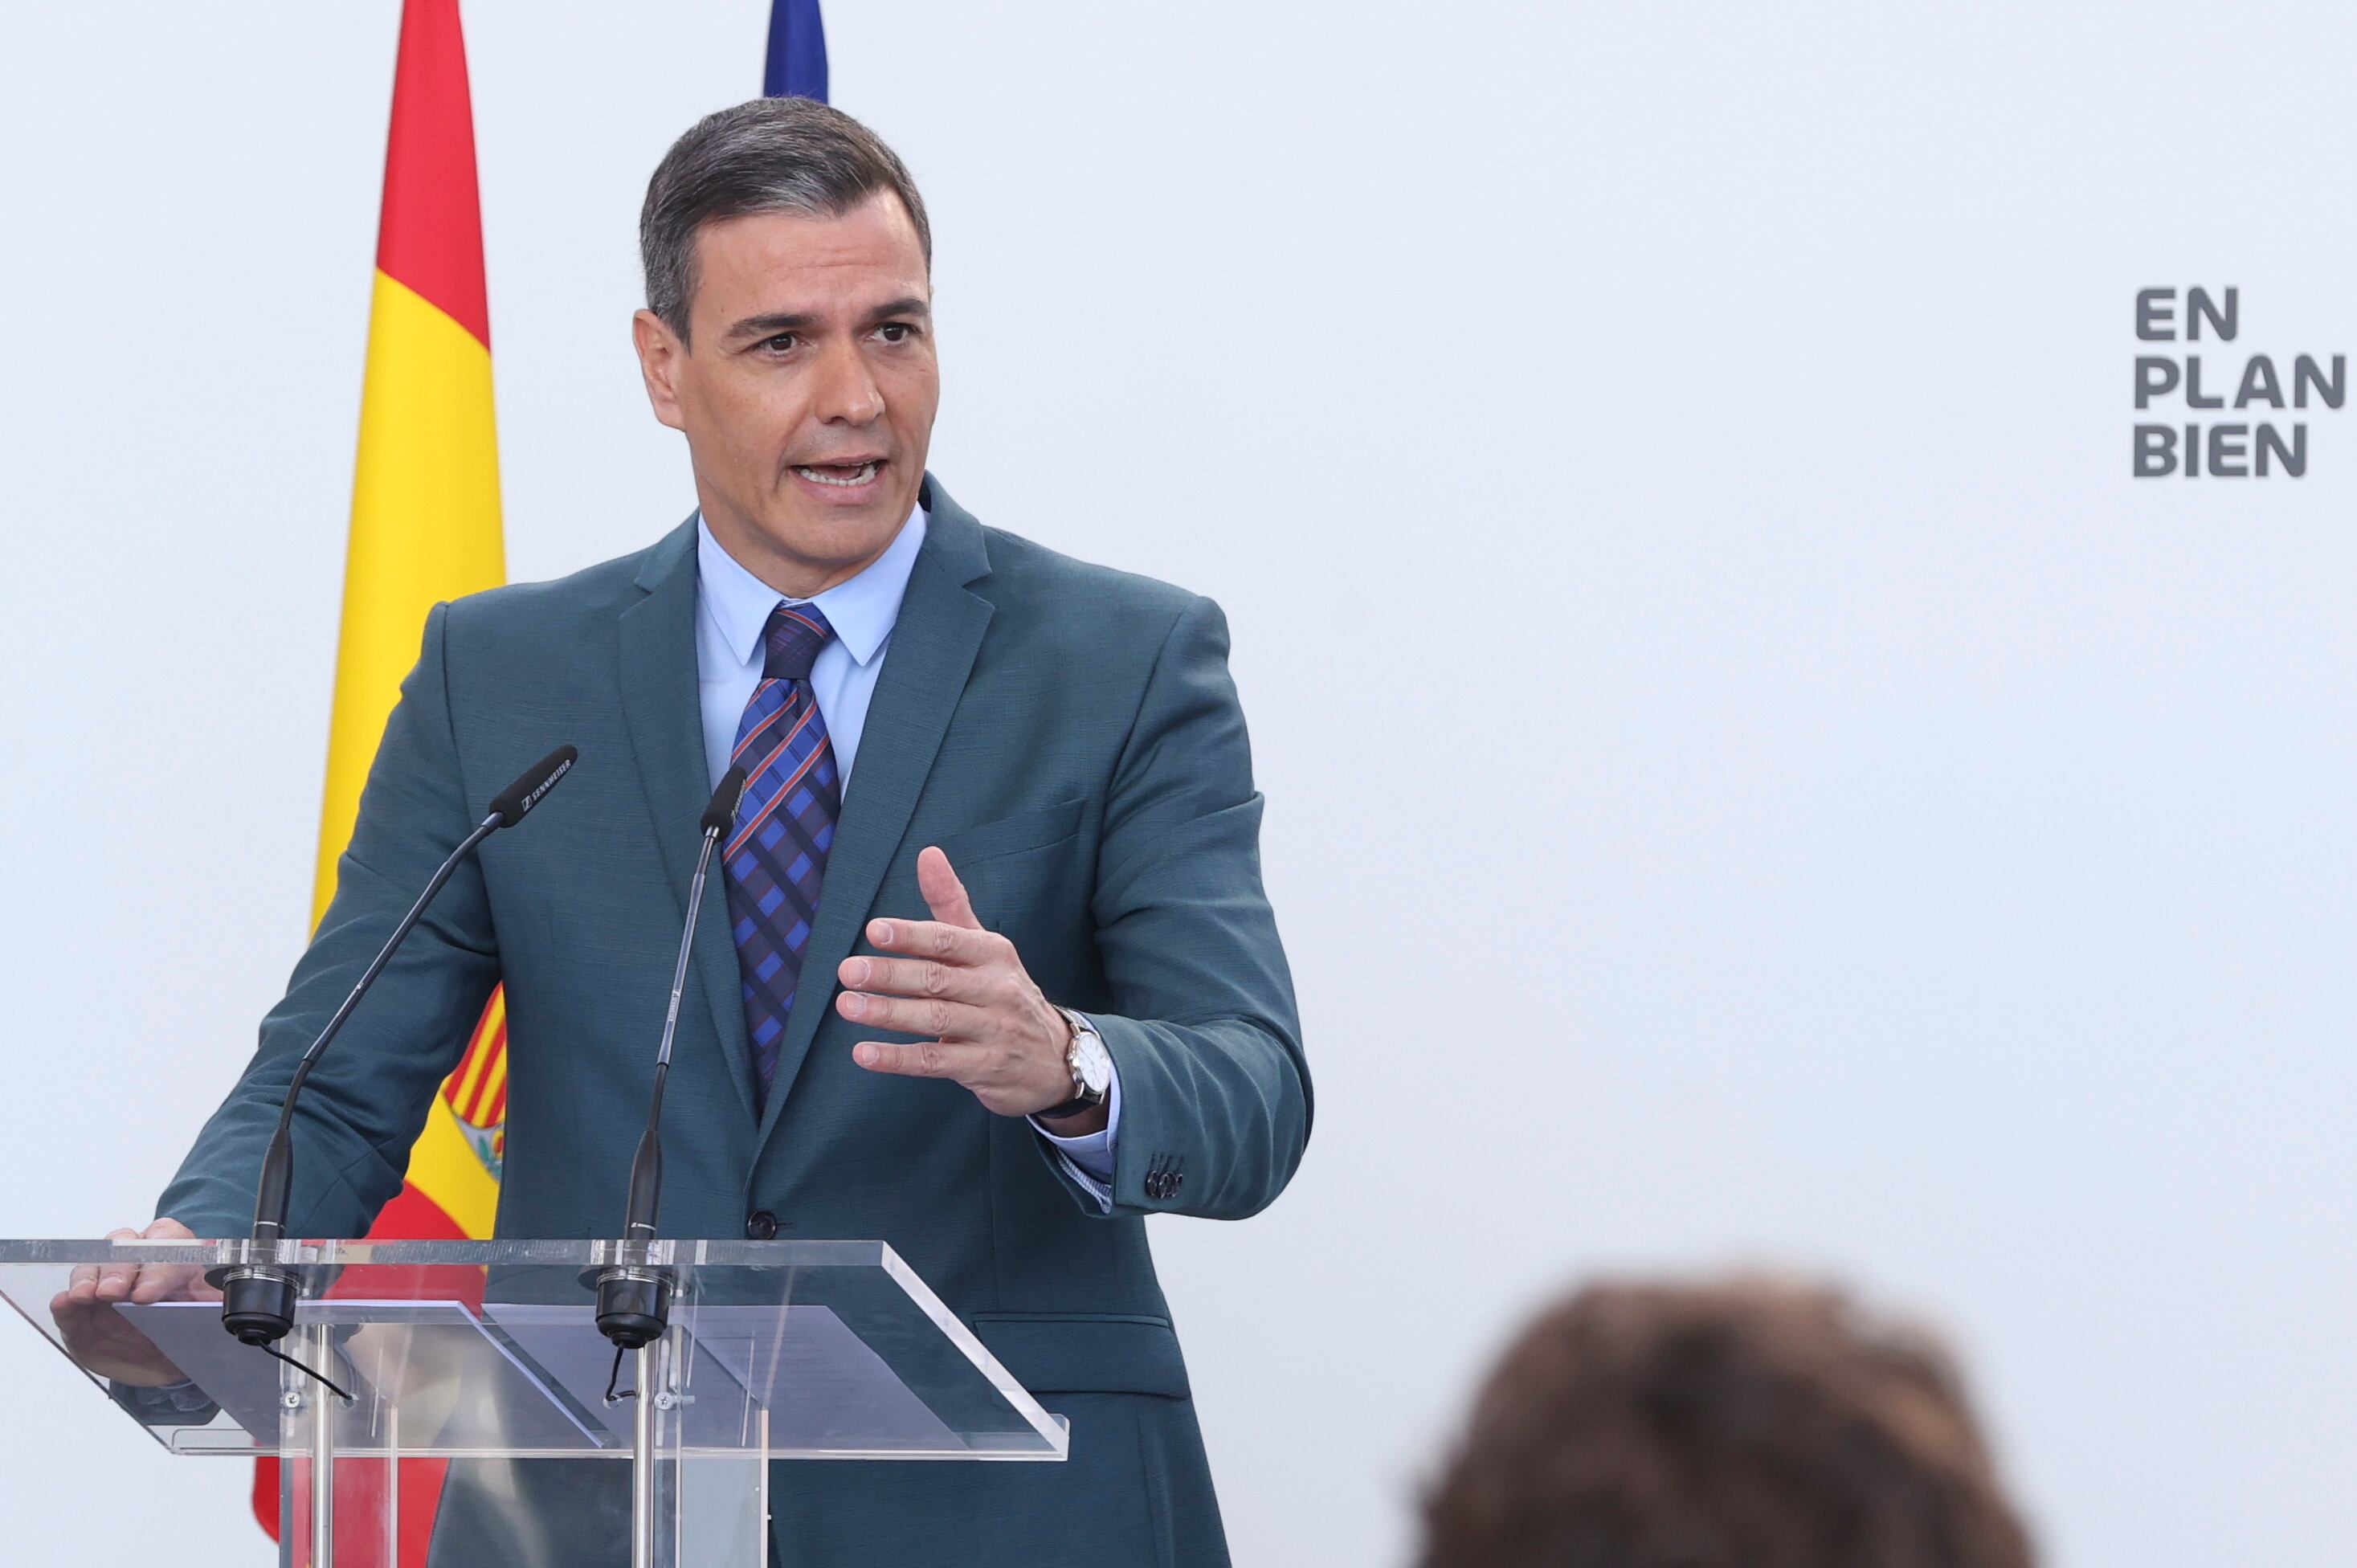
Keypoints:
pixel 944 894
pixel 109 1282
pixel 163 1282
pixel 920 1059
pixel 915 977
pixel 935 940
pixel 936 1015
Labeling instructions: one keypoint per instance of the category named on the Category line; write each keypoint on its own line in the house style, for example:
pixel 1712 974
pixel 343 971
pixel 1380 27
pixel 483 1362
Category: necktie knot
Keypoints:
pixel 793 637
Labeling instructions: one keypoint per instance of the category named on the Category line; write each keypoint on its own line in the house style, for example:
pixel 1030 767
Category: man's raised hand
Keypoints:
pixel 991 1029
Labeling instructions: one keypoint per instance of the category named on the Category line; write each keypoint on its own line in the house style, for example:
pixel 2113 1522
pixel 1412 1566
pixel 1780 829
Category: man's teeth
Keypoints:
pixel 859 475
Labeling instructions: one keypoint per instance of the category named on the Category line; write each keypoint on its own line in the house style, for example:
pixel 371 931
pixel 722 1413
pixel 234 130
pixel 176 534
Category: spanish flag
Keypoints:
pixel 425 528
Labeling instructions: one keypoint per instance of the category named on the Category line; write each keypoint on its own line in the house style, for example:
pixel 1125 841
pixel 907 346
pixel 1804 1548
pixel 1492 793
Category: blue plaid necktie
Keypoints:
pixel 776 858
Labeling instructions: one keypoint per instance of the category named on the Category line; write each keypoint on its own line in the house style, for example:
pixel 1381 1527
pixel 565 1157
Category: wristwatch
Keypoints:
pixel 1091 1067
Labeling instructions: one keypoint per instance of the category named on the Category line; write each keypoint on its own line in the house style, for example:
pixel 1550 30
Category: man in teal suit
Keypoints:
pixel 986 971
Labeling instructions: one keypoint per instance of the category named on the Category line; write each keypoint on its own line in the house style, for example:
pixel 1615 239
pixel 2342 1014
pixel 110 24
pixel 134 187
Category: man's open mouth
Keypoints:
pixel 843 475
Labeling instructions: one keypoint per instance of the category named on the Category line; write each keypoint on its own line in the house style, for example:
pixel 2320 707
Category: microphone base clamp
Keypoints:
pixel 633 1304
pixel 258 1302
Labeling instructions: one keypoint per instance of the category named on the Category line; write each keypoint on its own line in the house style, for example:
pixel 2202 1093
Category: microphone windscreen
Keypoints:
pixel 511 803
pixel 722 813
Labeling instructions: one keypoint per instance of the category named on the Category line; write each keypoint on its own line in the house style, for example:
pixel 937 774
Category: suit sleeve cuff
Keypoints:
pixel 1089 1160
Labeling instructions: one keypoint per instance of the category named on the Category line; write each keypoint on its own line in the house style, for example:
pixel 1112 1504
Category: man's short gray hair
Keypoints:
pixel 772 155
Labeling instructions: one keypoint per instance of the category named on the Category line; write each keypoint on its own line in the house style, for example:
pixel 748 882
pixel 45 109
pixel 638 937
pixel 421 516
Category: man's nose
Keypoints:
pixel 847 393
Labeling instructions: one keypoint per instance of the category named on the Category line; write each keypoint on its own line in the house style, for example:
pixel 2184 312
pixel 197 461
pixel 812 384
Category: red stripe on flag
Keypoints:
pixel 430 238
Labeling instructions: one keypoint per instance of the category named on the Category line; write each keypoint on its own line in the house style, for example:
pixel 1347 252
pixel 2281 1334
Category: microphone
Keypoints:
pixel 258 1300
pixel 634 1301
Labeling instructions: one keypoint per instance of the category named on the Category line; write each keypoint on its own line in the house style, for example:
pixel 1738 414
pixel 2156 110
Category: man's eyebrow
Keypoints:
pixel 775 322
pixel 771 325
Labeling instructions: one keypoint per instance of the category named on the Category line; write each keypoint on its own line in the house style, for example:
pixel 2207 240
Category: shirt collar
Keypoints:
pixel 862 609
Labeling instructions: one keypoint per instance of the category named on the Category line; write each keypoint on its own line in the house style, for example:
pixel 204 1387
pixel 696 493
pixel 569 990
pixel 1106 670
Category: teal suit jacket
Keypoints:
pixel 1070 736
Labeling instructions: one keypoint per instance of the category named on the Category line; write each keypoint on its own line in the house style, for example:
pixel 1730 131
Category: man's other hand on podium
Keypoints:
pixel 102 1340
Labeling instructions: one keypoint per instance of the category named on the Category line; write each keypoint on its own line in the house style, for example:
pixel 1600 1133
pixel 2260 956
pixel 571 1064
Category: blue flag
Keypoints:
pixel 797 63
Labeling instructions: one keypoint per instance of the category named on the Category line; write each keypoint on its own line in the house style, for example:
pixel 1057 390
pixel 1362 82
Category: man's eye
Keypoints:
pixel 895 331
pixel 779 344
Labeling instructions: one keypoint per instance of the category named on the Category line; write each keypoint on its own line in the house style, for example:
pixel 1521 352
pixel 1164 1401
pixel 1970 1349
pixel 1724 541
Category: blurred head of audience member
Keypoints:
pixel 1751 1423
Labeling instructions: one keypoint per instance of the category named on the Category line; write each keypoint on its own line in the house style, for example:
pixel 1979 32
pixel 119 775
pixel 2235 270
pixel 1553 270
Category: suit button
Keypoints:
pixel 761 1224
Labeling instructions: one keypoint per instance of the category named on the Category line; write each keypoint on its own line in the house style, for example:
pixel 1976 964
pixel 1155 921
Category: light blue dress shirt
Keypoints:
pixel 733 609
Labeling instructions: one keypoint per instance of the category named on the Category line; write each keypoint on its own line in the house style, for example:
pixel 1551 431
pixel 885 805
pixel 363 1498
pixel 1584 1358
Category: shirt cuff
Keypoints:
pixel 1088 1160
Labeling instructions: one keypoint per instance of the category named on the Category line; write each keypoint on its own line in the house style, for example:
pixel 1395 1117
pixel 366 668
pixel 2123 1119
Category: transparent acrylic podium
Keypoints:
pixel 484 1357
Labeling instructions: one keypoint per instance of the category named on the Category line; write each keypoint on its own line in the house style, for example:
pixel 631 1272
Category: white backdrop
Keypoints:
pixel 1751 777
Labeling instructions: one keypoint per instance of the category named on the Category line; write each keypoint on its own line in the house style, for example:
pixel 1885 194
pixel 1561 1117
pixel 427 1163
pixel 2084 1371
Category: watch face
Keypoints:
pixel 1094 1064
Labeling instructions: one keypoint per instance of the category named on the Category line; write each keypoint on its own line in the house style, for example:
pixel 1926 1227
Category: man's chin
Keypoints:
pixel 825 542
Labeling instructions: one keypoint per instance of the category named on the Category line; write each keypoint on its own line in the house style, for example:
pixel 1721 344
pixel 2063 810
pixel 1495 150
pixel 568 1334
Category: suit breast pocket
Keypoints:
pixel 1037 828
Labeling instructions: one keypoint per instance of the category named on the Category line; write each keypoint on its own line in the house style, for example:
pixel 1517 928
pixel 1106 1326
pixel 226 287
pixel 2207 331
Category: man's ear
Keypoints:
pixel 659 354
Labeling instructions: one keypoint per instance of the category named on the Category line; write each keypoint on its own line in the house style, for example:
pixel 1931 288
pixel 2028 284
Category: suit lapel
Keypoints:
pixel 664 712
pixel 932 650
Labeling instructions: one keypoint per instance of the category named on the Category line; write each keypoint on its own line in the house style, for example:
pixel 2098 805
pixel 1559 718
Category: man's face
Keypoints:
pixel 806 388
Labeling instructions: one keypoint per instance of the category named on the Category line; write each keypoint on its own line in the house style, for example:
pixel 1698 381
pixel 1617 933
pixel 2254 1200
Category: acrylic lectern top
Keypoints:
pixel 483 1349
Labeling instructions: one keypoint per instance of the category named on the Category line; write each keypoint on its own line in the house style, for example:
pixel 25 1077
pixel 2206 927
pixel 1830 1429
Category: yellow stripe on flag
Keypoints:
pixel 426 527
